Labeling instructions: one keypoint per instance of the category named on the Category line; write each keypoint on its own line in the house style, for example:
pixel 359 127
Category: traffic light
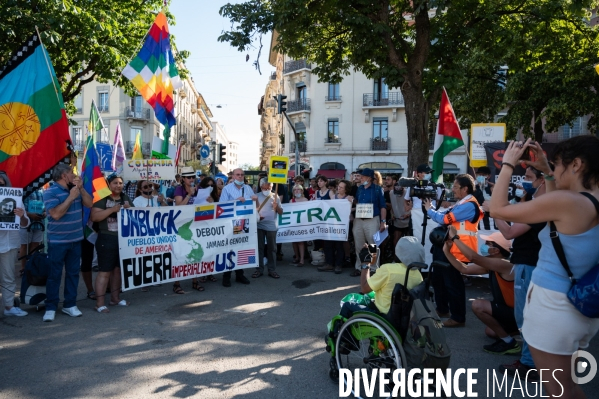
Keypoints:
pixel 221 151
pixel 282 104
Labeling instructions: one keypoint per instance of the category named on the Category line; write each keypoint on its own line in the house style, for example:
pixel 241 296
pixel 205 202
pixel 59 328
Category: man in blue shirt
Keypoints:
pixel 371 213
pixel 63 202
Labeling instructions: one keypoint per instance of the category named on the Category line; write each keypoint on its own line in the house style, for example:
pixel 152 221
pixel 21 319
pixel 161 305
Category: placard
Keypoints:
pixel 481 134
pixel 167 244
pixel 314 220
pixel 149 169
pixel 10 199
pixel 278 167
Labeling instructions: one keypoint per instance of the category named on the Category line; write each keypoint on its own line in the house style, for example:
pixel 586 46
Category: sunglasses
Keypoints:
pixel 188 177
pixel 145 187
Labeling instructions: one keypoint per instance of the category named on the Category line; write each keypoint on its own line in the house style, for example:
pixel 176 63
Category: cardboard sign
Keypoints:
pixel 278 167
pixel 314 220
pixel 10 199
pixel 149 169
pixel 481 134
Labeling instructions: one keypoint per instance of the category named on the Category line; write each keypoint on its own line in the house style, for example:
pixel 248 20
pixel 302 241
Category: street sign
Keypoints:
pixel 205 152
pixel 205 161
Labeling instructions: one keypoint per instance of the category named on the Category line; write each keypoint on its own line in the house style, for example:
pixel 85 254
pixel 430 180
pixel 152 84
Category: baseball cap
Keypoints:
pixel 424 168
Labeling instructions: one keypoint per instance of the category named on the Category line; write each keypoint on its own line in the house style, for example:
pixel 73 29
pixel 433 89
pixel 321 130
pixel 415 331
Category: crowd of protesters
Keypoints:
pixel 528 281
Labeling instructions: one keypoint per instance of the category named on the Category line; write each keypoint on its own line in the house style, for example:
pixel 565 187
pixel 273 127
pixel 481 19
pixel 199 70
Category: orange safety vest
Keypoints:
pixel 467 230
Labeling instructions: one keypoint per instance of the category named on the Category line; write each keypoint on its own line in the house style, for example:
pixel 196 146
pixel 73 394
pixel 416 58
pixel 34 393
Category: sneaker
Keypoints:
pixel 326 268
pixel 15 311
pixel 49 315
pixel 521 370
pixel 338 269
pixel 502 348
pixel 72 311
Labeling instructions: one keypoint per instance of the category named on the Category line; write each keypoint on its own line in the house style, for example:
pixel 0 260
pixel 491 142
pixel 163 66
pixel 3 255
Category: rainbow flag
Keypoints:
pixel 93 179
pixel 154 73
pixel 35 129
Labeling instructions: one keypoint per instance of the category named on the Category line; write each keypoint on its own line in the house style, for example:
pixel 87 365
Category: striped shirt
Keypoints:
pixel 231 192
pixel 69 228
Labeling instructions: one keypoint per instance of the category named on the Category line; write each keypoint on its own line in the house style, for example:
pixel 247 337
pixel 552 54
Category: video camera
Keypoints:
pixel 421 188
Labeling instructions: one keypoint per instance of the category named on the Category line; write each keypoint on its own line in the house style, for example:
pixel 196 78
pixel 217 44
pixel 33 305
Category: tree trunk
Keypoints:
pixel 538 126
pixel 418 146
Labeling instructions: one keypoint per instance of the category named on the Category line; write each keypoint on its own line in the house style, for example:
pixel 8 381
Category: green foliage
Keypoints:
pixel 86 39
pixel 197 166
pixel 247 166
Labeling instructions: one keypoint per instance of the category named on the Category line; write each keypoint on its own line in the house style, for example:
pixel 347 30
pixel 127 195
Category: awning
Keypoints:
pixel 333 173
pixel 291 174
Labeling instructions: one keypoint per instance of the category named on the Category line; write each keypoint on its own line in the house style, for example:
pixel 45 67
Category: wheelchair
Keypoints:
pixel 374 341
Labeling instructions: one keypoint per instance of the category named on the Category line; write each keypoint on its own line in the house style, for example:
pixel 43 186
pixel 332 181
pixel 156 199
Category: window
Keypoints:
pixel 301 93
pixel 103 101
pixel 134 132
pixel 77 138
pixel 333 92
pixel 332 166
pixel 380 129
pixel 380 89
pixel 136 106
pixel 79 104
pixel 576 129
pixel 333 131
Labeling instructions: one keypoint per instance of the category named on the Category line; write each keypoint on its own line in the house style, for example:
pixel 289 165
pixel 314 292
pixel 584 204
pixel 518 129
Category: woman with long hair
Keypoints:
pixel 104 212
pixel 145 195
pixel 553 328
pixel 209 182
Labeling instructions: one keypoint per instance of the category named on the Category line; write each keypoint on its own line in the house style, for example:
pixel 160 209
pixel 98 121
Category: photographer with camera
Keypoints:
pixel 409 250
pixel 450 292
pixel 371 212
pixel 423 173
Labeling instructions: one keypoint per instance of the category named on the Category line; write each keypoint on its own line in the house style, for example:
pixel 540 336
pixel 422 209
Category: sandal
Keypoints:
pixel 273 274
pixel 212 278
pixel 196 286
pixel 257 274
pixel 177 289
pixel 355 273
pixel 202 279
pixel 91 295
pixel 122 302
pixel 102 309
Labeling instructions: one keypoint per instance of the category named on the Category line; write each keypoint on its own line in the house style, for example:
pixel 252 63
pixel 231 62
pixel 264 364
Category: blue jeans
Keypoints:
pixel 69 256
pixel 523 274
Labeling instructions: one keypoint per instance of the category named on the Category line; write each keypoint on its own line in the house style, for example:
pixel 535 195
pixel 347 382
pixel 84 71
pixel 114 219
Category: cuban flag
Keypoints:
pixel 246 257
pixel 225 210
pixel 244 208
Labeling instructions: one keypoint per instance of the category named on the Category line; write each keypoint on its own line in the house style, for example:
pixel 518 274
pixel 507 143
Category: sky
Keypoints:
pixel 220 72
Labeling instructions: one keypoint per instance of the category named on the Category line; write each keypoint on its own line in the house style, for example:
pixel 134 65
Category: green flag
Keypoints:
pixel 95 121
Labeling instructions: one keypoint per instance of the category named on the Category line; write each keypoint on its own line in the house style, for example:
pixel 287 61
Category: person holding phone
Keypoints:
pixel 104 212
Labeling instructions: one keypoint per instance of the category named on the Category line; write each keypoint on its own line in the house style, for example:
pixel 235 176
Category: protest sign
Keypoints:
pixel 495 153
pixel 163 244
pixel 149 169
pixel 481 134
pixel 10 198
pixel 314 220
pixel 278 167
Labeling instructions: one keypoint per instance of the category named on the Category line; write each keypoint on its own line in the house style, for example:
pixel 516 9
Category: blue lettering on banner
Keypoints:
pixel 221 263
pixel 139 223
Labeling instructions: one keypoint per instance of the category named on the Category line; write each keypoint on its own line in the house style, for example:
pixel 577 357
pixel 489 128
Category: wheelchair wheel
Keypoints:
pixel 365 342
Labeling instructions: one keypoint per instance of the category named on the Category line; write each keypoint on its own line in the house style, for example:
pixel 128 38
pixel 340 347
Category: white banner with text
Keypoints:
pixel 149 169
pixel 163 244
pixel 314 220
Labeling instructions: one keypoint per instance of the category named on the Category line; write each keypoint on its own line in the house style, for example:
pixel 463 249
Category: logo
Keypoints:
pixel 583 367
pixel 20 128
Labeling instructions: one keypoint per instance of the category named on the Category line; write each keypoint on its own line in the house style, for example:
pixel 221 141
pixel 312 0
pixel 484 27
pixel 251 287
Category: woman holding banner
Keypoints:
pixel 104 212
pixel 185 195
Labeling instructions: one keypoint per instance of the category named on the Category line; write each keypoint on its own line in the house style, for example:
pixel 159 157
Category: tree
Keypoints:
pixel 86 40
pixel 418 46
pixel 247 166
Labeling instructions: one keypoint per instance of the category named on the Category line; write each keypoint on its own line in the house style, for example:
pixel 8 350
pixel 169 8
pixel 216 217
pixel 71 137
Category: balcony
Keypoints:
pixel 302 145
pixel 295 65
pixel 380 144
pixel 145 147
pixel 302 104
pixel 332 140
pixel 78 145
pixel 141 114
pixel 103 108
pixel 332 98
pixel 389 100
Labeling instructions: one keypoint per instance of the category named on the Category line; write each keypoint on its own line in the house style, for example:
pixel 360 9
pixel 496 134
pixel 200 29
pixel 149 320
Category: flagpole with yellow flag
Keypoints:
pixel 137 154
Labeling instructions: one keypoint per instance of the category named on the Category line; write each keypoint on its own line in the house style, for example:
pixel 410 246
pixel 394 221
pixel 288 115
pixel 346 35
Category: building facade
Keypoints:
pixel 219 136
pixel 342 127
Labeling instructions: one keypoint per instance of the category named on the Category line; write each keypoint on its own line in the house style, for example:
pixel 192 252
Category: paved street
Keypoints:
pixel 264 340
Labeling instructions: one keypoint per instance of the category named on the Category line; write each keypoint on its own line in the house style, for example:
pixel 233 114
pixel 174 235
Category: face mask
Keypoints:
pixel 266 192
pixel 364 183
pixel 297 195
pixel 147 192
pixel 527 186
pixel 427 176
pixel 484 250
pixel 481 180
pixel 520 193
pixel 239 183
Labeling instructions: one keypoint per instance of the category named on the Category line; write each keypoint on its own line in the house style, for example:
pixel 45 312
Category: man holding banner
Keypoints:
pixel 242 193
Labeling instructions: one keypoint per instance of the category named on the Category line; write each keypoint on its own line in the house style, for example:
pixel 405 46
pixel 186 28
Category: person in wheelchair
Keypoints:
pixel 408 250
pixel 497 314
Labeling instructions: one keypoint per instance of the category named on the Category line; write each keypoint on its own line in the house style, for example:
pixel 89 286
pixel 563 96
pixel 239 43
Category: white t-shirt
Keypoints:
pixel 142 202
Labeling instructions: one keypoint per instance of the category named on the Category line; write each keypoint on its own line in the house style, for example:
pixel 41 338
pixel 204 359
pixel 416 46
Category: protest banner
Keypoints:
pixel 278 168
pixel 481 134
pixel 495 153
pixel 149 169
pixel 10 198
pixel 158 245
pixel 314 220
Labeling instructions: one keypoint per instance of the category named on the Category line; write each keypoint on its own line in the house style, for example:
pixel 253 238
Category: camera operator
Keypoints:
pixel 450 292
pixel 423 172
